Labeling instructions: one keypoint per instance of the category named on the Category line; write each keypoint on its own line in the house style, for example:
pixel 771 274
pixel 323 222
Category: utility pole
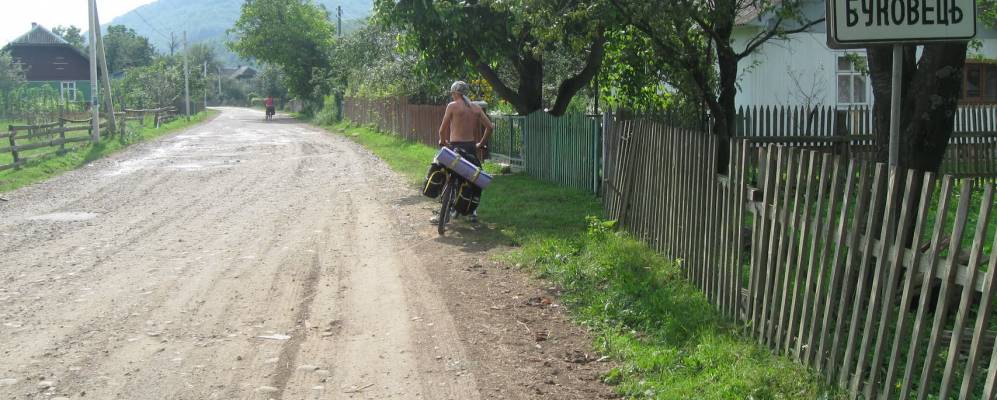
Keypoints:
pixel 205 85
pixel 339 90
pixel 102 55
pixel 94 104
pixel 339 20
pixel 186 77
pixel 219 85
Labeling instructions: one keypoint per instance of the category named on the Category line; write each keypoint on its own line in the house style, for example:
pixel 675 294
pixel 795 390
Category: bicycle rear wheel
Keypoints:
pixel 446 202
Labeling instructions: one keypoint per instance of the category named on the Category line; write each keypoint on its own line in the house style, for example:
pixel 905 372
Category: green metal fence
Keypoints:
pixel 506 144
pixel 563 150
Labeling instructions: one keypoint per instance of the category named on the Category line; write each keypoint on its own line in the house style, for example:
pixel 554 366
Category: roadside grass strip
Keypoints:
pixel 668 339
pixel 51 164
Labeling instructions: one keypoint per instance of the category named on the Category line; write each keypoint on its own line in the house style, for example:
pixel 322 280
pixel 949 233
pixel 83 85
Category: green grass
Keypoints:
pixel 50 164
pixel 669 341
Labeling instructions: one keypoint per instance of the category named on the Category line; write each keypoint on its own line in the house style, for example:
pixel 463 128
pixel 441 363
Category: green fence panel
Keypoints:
pixel 563 150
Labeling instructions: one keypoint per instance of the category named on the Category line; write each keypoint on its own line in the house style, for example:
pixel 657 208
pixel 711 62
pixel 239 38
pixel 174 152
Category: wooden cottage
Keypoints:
pixel 49 60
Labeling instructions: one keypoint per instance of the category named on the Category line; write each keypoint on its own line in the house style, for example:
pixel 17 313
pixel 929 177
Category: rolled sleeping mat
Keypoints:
pixel 454 162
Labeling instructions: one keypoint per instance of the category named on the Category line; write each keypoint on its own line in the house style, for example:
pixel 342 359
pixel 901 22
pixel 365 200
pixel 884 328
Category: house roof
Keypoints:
pixel 243 71
pixel 39 35
pixel 752 12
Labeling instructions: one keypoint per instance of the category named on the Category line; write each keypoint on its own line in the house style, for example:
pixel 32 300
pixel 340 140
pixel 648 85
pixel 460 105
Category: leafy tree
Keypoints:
pixel 270 82
pixel 126 49
pixel 693 48
pixel 11 79
pixel 509 43
pixel 71 34
pixel 369 62
pixel 11 73
pixel 200 53
pixel 160 84
pixel 632 80
pixel 295 35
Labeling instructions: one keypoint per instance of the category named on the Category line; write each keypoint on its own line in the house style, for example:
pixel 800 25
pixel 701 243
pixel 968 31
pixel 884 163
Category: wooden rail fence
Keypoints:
pixel 880 279
pixel 32 137
pixel 22 138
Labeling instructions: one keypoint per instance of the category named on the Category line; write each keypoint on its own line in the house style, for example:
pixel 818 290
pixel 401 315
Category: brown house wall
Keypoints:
pixel 51 63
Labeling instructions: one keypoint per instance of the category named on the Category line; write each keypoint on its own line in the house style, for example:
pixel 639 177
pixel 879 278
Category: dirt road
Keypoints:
pixel 237 260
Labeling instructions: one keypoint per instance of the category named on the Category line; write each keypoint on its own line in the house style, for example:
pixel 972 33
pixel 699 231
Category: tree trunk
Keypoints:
pixel 724 113
pixel 930 93
pixel 529 96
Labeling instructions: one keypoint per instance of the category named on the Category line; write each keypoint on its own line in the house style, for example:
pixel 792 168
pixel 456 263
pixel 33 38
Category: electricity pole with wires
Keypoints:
pixel 94 103
pixel 186 77
pixel 206 85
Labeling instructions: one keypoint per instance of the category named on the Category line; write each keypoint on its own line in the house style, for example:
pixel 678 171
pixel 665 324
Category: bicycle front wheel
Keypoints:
pixel 446 202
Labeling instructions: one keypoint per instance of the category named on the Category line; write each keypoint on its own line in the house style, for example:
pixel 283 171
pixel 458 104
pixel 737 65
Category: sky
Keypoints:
pixel 17 15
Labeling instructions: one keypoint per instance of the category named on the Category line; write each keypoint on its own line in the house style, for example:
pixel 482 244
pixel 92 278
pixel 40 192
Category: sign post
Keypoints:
pixel 862 23
pixel 895 100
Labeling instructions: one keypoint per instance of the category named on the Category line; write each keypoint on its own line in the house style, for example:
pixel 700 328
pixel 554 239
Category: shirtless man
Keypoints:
pixel 461 121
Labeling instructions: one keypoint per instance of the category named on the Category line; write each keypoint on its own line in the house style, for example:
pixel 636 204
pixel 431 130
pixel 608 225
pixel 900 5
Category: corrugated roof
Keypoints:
pixel 752 12
pixel 39 35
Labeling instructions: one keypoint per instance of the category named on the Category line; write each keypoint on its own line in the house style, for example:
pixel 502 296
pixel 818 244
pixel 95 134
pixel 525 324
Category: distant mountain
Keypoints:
pixel 207 20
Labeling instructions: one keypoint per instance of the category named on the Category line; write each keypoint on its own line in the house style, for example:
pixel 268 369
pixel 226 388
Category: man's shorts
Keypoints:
pixel 469 148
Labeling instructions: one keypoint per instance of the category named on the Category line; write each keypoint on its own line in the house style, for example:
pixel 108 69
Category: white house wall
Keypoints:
pixel 799 70
pixel 796 71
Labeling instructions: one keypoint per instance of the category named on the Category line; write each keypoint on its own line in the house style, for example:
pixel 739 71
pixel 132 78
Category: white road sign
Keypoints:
pixel 859 22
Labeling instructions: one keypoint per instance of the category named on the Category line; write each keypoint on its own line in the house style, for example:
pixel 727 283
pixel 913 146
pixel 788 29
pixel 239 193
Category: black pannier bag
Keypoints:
pixel 435 178
pixel 468 197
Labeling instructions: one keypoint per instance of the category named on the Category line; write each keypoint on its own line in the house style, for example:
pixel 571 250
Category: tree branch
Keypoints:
pixel 572 85
pixel 764 36
pixel 493 79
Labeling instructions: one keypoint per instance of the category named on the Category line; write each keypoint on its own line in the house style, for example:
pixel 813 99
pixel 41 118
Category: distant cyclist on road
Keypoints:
pixel 270 108
pixel 460 122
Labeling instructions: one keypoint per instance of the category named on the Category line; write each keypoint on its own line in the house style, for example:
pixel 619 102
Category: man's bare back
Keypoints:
pixel 463 121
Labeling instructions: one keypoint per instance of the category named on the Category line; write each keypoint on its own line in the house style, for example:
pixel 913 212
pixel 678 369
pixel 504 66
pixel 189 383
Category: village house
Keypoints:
pixel 804 71
pixel 49 60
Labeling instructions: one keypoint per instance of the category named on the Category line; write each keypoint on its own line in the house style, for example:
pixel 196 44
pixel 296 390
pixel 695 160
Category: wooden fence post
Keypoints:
pixel 13 144
pixel 62 136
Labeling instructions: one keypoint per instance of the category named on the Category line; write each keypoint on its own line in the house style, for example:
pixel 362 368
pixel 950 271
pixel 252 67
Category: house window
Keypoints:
pixel 979 83
pixel 68 91
pixel 852 82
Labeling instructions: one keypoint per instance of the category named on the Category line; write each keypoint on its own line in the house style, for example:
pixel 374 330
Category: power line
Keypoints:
pixel 150 25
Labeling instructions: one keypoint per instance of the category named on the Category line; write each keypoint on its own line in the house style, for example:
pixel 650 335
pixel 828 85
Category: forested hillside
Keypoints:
pixel 208 20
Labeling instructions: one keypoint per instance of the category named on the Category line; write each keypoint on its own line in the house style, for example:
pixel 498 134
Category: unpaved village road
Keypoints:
pixel 249 260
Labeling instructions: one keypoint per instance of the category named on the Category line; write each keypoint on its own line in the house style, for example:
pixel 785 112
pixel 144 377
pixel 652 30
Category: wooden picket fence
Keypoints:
pixel 882 280
pixel 971 152
pixel 420 123
pixel 824 121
